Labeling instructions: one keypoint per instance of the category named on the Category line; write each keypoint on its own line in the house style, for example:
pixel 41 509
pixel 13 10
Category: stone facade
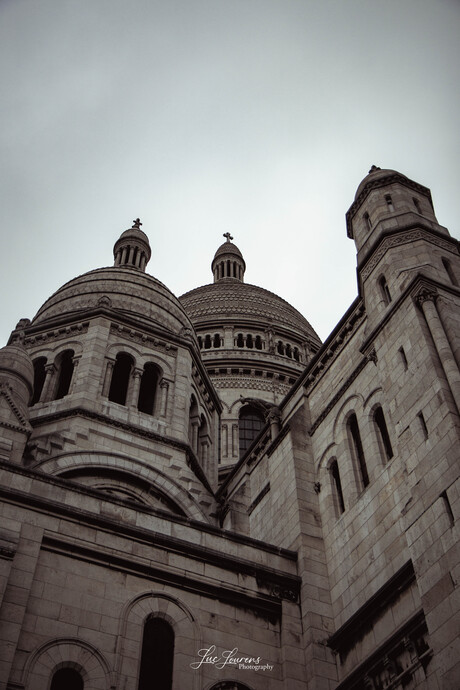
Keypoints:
pixel 198 493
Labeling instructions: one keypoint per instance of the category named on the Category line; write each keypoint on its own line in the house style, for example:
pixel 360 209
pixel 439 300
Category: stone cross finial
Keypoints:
pixel 137 223
pixel 228 236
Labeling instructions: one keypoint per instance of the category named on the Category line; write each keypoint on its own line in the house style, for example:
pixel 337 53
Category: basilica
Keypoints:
pixel 198 494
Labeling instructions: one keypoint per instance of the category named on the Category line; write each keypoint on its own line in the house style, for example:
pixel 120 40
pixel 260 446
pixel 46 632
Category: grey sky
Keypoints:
pixel 201 116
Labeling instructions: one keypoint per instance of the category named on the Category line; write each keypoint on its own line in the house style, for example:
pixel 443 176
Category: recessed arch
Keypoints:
pixel 67 462
pixel 157 604
pixel 68 652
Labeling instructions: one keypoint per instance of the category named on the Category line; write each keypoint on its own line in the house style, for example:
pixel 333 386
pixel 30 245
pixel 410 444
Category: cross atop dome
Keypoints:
pixel 137 223
pixel 228 261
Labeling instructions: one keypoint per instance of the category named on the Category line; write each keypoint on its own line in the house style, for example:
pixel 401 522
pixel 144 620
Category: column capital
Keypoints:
pixel 426 294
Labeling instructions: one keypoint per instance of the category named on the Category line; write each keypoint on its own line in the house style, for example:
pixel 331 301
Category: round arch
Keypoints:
pixel 187 635
pixel 65 463
pixel 69 652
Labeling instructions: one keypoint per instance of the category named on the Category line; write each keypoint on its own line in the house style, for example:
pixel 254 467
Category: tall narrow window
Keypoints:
pixel 280 348
pixel 157 655
pixel 385 290
pixel 337 487
pixel 448 267
pixel 296 354
pixel 258 342
pixel 239 340
pixel 417 204
pixel 65 368
pixel 249 342
pixel 367 220
pixel 357 446
pixel 120 378
pixel 423 425
pixel 288 350
pixel 147 389
pixel 216 340
pixel 404 358
pixel 39 378
pixel 207 342
pixel 379 420
pixel 251 422
pixel 389 201
pixel 67 679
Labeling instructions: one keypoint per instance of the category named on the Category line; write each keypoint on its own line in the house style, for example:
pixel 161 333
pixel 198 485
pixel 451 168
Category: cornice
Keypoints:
pixel 397 237
pixel 49 506
pixel 191 460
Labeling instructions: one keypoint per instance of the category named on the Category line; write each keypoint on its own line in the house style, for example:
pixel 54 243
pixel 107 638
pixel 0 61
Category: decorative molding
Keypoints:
pixel 256 382
pixel 426 294
pixel 398 238
pixel 55 334
pixel 143 339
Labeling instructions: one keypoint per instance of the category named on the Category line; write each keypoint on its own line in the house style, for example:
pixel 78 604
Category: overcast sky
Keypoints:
pixel 258 117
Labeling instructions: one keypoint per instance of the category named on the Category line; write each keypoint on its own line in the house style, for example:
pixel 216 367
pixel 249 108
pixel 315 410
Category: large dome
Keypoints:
pixel 240 303
pixel 124 289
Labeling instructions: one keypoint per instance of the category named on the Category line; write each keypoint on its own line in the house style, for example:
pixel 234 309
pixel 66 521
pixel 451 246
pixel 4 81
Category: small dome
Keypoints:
pixel 16 363
pixel 132 249
pixel 228 261
pixel 228 248
pixel 378 176
pixel 125 290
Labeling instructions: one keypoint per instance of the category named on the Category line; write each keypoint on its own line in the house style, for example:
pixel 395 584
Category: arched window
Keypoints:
pixel 452 277
pixel 207 342
pixel 389 201
pixel 200 341
pixel 249 342
pixel 367 220
pixel 65 368
pixel 296 354
pixel 288 350
pixel 258 342
pixel 67 679
pixel 39 378
pixel 385 290
pixel 239 340
pixel 147 388
pixel 250 423
pixel 384 437
pixel 193 424
pixel 337 487
pixel 216 341
pixel 280 348
pixel 357 448
pixel 157 655
pixel 120 378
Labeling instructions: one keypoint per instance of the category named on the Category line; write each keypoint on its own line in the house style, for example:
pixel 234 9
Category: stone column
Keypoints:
pixel 194 440
pixel 50 370
pixel 426 299
pixel 75 362
pixel 132 395
pixel 107 378
pixel 164 388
